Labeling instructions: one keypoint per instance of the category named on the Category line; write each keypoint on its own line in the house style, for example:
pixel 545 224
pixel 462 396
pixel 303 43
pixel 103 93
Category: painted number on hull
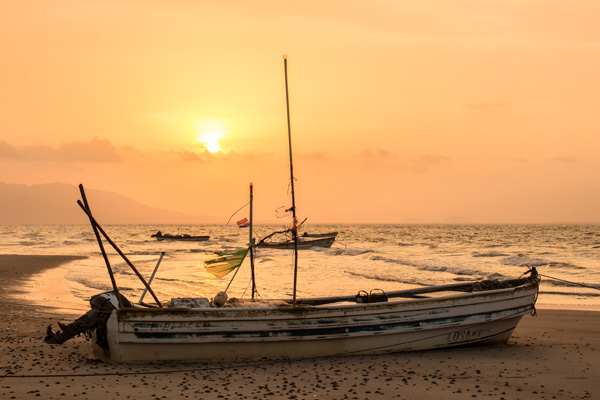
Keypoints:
pixel 467 335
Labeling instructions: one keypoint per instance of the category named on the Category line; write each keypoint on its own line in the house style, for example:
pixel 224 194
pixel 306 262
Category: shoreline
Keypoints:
pixel 552 355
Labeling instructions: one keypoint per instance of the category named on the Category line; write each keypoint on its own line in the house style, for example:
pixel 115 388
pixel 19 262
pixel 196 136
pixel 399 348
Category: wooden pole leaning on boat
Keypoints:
pixel 162 254
pixel 123 256
pixel 101 245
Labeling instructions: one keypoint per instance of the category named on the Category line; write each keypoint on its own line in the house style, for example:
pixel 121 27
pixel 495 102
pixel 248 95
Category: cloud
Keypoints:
pixel 387 159
pixel 564 160
pixel 426 162
pixel 7 151
pixel 188 156
pixel 95 151
pixel 486 107
pixel 203 156
pixel 378 158
pixel 318 156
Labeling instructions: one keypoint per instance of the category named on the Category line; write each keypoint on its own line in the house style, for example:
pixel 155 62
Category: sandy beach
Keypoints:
pixel 554 355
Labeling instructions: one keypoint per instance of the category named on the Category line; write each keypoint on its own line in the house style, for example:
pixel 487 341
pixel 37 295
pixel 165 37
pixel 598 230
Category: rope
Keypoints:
pixel 228 221
pixel 572 283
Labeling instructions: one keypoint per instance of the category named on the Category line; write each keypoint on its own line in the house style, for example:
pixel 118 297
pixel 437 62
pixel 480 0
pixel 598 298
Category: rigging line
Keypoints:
pixel 246 289
pixel 254 230
pixel 236 212
pixel 247 286
pixel 572 283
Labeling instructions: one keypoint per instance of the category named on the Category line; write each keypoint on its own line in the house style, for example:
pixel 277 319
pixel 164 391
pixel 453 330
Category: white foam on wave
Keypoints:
pixel 523 261
pixel 453 270
pixel 488 254
pixel 398 255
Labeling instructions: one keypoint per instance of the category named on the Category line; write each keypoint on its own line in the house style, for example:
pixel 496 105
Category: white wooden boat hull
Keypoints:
pixel 136 335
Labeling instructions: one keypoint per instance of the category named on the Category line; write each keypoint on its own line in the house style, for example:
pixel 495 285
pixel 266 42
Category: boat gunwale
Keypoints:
pixel 308 312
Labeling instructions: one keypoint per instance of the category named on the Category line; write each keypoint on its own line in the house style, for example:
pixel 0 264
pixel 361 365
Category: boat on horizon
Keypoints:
pixel 180 237
pixel 318 235
pixel 305 241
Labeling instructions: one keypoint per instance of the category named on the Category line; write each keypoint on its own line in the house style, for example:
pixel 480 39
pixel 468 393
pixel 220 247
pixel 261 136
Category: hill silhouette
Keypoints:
pixel 56 203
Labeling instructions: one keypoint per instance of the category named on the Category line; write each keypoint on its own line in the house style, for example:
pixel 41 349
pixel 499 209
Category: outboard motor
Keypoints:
pixel 102 305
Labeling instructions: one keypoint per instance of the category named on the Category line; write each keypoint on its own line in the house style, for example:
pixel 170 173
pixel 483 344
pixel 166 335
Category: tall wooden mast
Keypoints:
pixel 251 243
pixel 294 220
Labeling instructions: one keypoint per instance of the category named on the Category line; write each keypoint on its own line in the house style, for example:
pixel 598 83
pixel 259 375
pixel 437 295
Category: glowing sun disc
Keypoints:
pixel 213 146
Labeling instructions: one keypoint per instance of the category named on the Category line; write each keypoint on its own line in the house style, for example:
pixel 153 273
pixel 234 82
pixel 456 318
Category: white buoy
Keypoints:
pixel 220 299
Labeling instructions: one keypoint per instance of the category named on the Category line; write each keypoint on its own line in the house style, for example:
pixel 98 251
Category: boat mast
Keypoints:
pixel 251 241
pixel 294 221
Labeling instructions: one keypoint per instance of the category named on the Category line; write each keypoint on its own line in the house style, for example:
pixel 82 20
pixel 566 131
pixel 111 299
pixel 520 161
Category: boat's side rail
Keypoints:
pixel 466 287
pixel 522 295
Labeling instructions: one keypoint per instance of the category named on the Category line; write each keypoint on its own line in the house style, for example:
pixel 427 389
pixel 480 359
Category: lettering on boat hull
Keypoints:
pixel 468 335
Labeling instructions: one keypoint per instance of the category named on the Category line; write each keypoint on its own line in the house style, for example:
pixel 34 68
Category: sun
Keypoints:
pixel 210 133
pixel 213 146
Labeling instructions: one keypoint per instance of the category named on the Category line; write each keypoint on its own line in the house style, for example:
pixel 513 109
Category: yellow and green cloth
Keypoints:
pixel 220 264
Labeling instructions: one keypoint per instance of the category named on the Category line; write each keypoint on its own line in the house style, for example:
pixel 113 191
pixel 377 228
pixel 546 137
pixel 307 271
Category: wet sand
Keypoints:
pixel 555 355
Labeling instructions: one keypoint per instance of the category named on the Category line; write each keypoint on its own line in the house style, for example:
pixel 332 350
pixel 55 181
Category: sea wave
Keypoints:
pixel 488 254
pixel 409 255
pixel 356 251
pixel 384 278
pixel 71 243
pixel 523 261
pixel 454 270
pixel 394 261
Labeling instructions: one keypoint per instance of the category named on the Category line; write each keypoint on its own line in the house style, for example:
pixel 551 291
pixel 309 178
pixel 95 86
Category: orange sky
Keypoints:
pixel 429 111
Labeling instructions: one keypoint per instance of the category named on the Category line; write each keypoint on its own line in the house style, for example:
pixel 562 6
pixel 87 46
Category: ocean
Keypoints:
pixel 364 257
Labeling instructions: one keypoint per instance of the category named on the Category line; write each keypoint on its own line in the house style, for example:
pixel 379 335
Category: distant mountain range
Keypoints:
pixel 55 203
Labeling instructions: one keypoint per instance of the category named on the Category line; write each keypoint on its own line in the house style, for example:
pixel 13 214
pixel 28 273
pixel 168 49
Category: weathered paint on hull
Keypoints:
pixel 238 334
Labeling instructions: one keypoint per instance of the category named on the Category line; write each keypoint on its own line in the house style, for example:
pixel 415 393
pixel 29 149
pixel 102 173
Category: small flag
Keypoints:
pixel 220 264
pixel 243 223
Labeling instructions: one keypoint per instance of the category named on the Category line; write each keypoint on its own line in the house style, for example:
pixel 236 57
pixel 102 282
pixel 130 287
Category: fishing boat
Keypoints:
pixel 471 313
pixel 368 322
pixel 303 242
pixel 319 235
pixel 179 237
